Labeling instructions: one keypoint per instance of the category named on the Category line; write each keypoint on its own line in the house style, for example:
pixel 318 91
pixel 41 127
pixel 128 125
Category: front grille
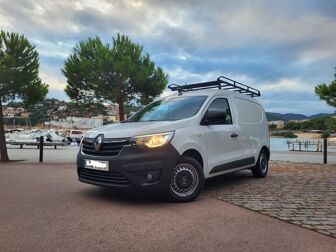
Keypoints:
pixel 111 177
pixel 110 146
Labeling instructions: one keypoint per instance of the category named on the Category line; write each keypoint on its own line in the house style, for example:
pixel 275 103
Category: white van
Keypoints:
pixel 175 143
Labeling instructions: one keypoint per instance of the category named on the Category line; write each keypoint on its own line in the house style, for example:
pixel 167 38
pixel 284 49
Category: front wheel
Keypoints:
pixel 261 168
pixel 187 180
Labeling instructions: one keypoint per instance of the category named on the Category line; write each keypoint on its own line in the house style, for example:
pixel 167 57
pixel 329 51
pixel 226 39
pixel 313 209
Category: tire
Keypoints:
pixel 261 168
pixel 186 180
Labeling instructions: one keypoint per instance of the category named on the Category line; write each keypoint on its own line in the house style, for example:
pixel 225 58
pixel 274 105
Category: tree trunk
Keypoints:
pixel 3 147
pixel 121 110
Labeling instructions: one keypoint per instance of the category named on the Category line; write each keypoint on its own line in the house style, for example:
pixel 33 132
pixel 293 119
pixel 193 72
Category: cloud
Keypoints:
pixel 53 82
pixel 56 49
pixel 280 47
pixel 287 85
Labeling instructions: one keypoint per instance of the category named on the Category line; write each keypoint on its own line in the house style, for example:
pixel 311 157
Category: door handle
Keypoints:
pixel 234 135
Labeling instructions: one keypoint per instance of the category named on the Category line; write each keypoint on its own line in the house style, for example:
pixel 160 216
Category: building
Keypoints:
pixel 111 113
pixel 10 112
pixel 62 108
pixel 112 109
pixel 109 118
pixel 279 124
pixel 298 121
pixel 76 122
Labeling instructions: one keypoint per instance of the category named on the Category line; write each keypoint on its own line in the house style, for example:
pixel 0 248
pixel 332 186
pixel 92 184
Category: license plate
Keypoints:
pixel 96 165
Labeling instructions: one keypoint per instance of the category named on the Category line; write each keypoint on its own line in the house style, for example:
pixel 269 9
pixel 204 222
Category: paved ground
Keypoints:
pixel 44 208
pixel 301 194
pixel 31 154
pixel 303 157
pixel 68 154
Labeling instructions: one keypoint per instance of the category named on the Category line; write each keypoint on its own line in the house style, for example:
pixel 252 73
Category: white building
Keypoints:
pixel 78 122
pixel 279 124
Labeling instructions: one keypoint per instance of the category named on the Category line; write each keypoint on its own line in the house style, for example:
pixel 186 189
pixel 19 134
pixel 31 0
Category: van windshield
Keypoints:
pixel 170 109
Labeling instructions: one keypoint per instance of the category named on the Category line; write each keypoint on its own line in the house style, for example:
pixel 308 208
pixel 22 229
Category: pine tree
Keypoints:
pixel 327 92
pixel 19 77
pixel 120 73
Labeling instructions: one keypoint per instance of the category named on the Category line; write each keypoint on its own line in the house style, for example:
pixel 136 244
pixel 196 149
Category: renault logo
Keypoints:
pixel 98 142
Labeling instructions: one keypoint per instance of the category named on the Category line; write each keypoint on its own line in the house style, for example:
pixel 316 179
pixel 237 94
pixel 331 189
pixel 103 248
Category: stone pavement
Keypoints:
pixel 298 193
pixel 45 208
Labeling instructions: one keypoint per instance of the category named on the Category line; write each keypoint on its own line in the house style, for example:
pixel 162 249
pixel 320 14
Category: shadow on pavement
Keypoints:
pixel 227 180
pixel 149 197
pixel 124 196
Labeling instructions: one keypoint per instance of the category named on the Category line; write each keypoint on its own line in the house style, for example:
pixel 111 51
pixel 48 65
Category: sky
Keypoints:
pixel 284 48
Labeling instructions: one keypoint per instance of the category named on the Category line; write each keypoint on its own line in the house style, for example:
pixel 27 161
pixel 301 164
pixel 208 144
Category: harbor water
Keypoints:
pixel 280 144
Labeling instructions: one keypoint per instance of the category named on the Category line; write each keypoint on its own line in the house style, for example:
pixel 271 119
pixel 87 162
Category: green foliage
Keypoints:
pixel 120 73
pixel 131 109
pixel 285 134
pixel 38 114
pixel 327 92
pixel 319 123
pixel 82 109
pixel 325 134
pixel 19 70
pixel 272 127
pixel 16 121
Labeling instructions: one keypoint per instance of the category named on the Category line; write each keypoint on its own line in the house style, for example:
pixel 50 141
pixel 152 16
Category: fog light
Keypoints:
pixel 149 177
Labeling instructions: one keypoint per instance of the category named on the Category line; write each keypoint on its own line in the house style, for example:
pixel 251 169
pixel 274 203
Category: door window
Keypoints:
pixel 221 104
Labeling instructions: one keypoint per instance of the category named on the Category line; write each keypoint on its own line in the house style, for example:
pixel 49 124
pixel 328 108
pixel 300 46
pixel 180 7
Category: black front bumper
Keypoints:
pixel 131 168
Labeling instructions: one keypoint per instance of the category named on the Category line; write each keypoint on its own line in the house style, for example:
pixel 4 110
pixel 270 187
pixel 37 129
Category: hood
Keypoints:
pixel 120 130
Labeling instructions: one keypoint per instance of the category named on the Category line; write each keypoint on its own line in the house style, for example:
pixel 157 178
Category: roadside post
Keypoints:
pixel 325 149
pixel 41 149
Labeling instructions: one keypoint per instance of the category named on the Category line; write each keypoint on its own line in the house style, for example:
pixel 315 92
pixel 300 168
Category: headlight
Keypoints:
pixel 153 140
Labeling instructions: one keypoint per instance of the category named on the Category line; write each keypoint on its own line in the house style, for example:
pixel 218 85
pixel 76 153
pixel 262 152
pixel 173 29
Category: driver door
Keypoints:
pixel 222 138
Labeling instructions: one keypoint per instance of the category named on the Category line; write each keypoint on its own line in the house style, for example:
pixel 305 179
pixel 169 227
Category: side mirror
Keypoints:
pixel 214 117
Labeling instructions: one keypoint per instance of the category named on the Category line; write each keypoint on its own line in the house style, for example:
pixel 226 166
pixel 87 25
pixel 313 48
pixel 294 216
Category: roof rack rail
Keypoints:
pixel 222 82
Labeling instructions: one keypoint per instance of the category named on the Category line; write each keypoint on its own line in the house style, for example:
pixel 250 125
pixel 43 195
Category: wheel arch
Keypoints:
pixel 194 154
pixel 265 148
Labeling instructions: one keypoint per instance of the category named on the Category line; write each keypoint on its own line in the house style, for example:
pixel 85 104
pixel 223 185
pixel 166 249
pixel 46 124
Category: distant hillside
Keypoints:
pixel 320 115
pixel 290 116
pixel 274 116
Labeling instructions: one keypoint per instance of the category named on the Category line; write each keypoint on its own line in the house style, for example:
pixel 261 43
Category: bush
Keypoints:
pixel 272 127
pixel 325 134
pixel 285 134
pixel 319 123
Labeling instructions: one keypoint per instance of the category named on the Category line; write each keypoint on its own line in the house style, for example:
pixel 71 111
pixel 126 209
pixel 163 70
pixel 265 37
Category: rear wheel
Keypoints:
pixel 261 168
pixel 186 180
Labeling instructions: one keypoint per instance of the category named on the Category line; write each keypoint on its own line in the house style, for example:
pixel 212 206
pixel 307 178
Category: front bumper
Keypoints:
pixel 131 168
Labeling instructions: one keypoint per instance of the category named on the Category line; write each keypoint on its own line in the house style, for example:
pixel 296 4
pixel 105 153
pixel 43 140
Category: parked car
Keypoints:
pixel 175 143
pixel 77 135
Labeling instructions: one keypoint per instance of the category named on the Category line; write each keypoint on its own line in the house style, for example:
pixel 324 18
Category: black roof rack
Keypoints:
pixel 222 82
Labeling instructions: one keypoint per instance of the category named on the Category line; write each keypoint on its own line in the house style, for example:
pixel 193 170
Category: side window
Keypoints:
pixel 221 105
